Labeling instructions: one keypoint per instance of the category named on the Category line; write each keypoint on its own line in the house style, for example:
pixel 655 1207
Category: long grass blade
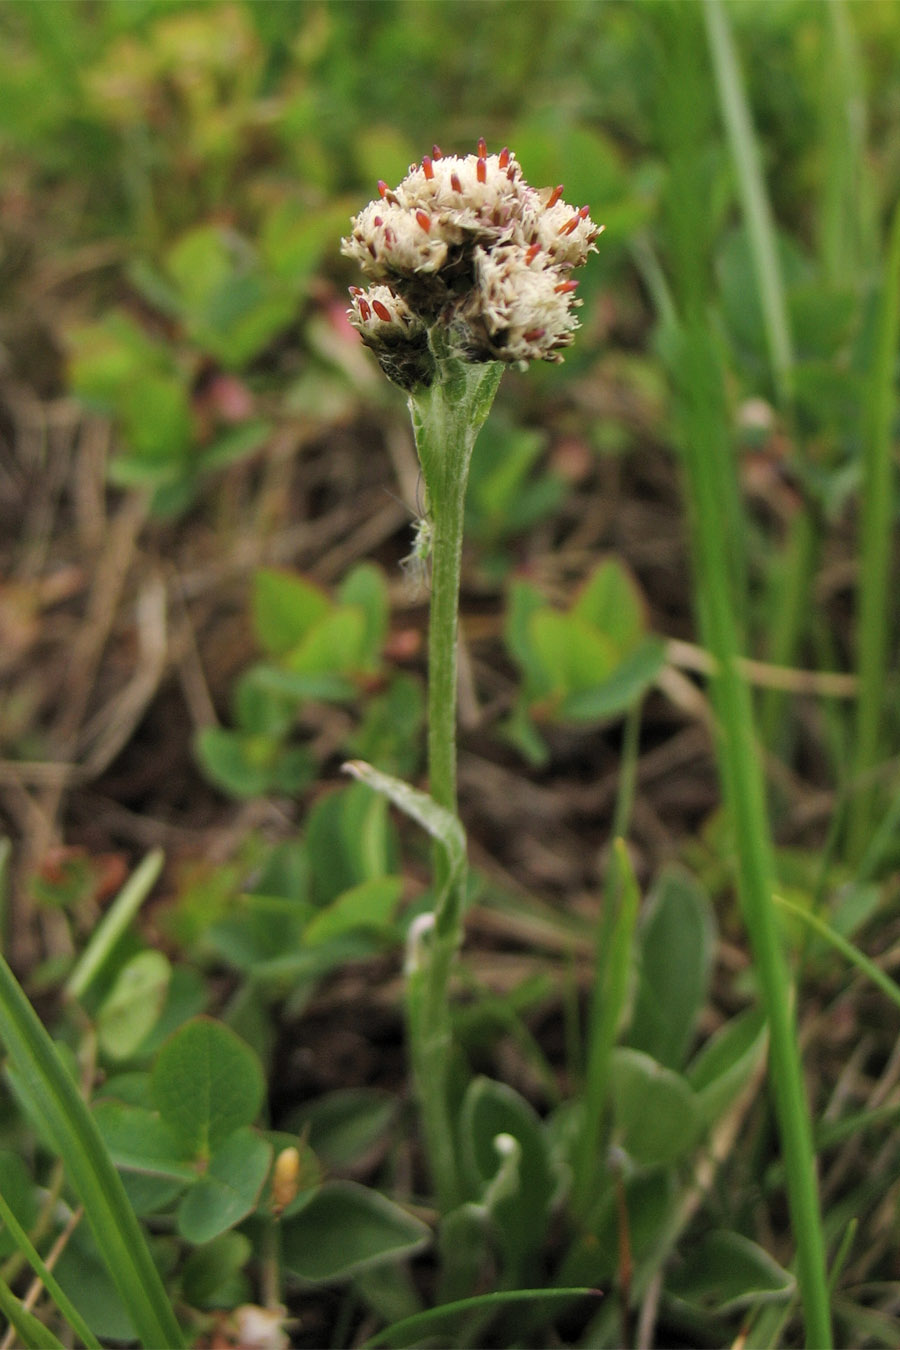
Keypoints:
pixel 32 1332
pixel 754 199
pixel 413 1330
pixel 47 1278
pixel 70 1125
pixel 876 530
pixel 888 987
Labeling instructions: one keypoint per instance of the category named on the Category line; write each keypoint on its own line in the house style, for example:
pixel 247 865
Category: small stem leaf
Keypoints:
pixel 441 824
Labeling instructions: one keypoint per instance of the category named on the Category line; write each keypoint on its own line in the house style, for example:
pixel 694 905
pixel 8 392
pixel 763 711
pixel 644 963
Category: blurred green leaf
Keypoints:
pixel 725 1272
pixel 656 1112
pixel 133 1006
pixel 210 1269
pixel 344 1125
pixel 491 1114
pixel 206 1083
pixel 286 607
pixel 228 1190
pixel 346 1228
pixel 676 940
pixel 370 904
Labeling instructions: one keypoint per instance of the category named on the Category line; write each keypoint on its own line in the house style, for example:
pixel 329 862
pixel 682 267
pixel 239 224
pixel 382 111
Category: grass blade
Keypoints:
pixel 47 1278
pixel 413 1330
pixel 32 1332
pixel 704 436
pixel 876 527
pixel 754 199
pixel 69 1123
pixel 113 924
pixel 868 968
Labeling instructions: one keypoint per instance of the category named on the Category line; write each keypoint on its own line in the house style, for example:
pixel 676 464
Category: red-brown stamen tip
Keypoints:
pixel 511 173
pixel 534 334
pixel 532 253
pixel 427 167
pixel 555 195
pixel 482 147
pixel 481 169
pixel 503 159
pixel 382 188
pixel 455 183
pixel 364 311
pixel 570 225
pixel 381 310
pixel 424 219
pixel 356 290
pixel 584 212
pixel 377 221
pixel 437 152
pixel 566 287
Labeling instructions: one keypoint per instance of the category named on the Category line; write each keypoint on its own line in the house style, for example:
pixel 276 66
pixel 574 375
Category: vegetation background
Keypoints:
pixel 211 595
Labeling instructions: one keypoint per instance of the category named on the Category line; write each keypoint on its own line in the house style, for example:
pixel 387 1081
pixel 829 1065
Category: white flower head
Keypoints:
pixel 463 241
pixel 524 309
pixel 396 335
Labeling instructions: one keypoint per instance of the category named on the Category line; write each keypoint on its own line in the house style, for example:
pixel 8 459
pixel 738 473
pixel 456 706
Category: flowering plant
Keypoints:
pixel 470 271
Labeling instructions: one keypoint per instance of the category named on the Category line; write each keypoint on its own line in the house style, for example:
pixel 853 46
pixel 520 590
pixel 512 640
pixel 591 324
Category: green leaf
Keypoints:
pixel 371 905
pixel 344 1125
pixel 230 1188
pixel 211 1268
pixel 108 356
pixel 139 1141
pixel 349 840
pixel 234 444
pixel 323 685
pixel 81 1274
pixel 206 1083
pixel 285 608
pixel 346 1228
pixel 156 419
pixel 725 1272
pixel 656 1112
pixel 262 711
pixel 366 589
pixel 524 601
pixel 441 824
pixel 241 764
pixel 609 600
pixel 133 1006
pixel 726 1064
pixel 335 644
pixel 629 681
pixel 676 948
pixel 258 928
pixel 492 1112
pixel 572 654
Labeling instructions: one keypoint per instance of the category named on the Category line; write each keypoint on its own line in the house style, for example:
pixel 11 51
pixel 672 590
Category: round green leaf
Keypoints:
pixel 229 1190
pixel 206 1083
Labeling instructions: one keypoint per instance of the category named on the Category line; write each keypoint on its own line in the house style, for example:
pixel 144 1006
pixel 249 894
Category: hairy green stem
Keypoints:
pixel 447 417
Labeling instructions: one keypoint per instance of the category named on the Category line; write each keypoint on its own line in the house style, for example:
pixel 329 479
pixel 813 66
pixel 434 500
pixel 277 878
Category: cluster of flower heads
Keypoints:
pixel 465 242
